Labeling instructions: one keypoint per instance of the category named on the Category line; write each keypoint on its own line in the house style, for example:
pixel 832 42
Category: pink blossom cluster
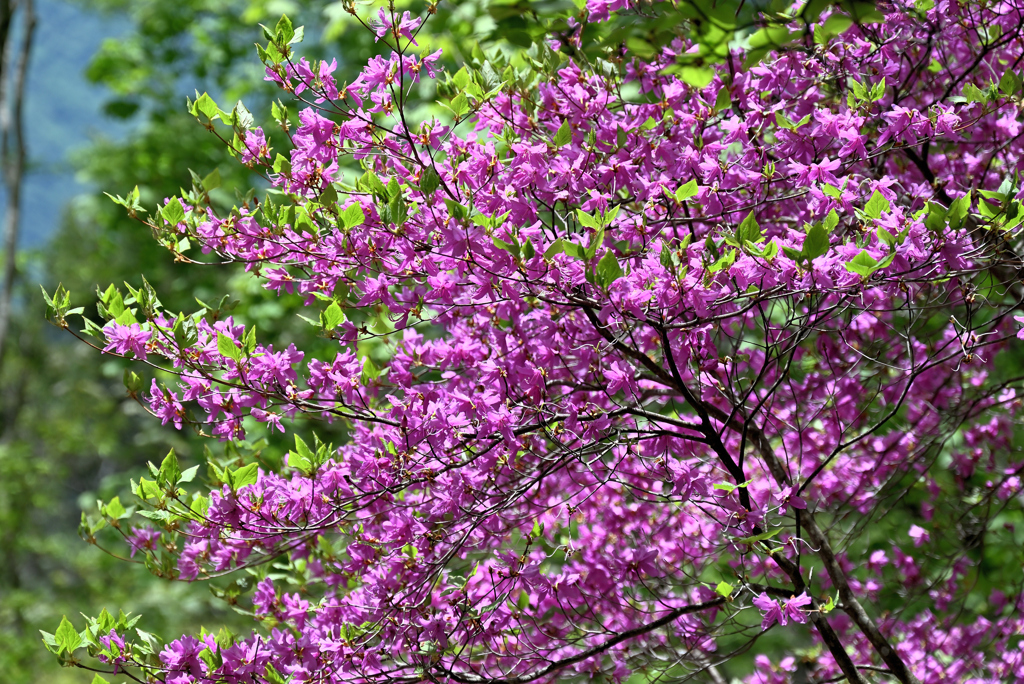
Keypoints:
pixel 638 347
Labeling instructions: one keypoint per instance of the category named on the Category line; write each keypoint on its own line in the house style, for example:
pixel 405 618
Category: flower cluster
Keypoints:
pixel 644 334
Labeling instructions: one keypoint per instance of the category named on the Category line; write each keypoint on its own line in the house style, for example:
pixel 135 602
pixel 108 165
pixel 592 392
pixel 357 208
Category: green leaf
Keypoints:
pixel 958 210
pixel 246 475
pixel 974 94
pixel 586 219
pixel 282 165
pixel 429 181
pixel 878 90
pixel 729 487
pixel 226 347
pixel 188 474
pixel 723 101
pixel 782 121
pixel 608 269
pixel 935 218
pixel 556 247
pixel 864 12
pixel 133 382
pixel 697 76
pixel 749 230
pixel 302 458
pixel 1010 83
pixel 621 137
pixel 724 589
pixel 205 105
pixel 886 237
pixel 353 216
pixel 328 196
pixel 574 250
pixel 284 31
pixel 249 341
pixel 666 258
pixel 459 105
pixel 173 212
pixel 863 264
pixel 831 191
pixel 461 79
pixel 596 240
pixel 764 536
pixel 563 136
pixel 725 262
pixel 170 471
pixel 512 248
pixel 835 25
pixel 115 509
pixel 876 205
pixel 528 250
pixel 212 181
pixel 272 675
pixel 332 317
pixel 96 679
pixel 831 220
pixel 816 242
pixel 67 638
pixel 48 639
pixel 126 317
pixel 684 192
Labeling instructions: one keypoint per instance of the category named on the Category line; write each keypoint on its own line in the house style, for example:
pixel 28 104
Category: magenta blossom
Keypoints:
pixel 124 339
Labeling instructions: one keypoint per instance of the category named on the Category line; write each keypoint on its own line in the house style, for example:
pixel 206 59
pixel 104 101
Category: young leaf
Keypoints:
pixel 353 216
pixel 332 317
pixel 556 247
pixel 886 237
pixel 67 638
pixel 586 219
pixel 563 136
pixel 429 181
pixel 831 220
pixel 749 230
pixel 684 192
pixel 764 536
pixel 246 475
pixel 876 206
pixel 608 269
pixel 212 181
pixel 459 105
pixel 863 264
pixel 226 347
pixel 816 242
pixel 170 471
pixel 173 212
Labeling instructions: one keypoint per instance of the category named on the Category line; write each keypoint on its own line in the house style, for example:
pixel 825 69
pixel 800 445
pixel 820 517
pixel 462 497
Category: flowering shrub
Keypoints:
pixel 675 356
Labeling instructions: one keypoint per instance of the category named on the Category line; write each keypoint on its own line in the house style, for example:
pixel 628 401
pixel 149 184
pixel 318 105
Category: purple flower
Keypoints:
pixel 771 610
pixel 919 535
pixel 143 538
pixel 791 610
pixel 255 146
pixel 123 339
pixel 406 25
pixel 114 644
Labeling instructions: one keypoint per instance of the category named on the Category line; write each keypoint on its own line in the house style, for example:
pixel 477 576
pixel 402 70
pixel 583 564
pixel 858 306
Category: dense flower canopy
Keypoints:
pixel 672 359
